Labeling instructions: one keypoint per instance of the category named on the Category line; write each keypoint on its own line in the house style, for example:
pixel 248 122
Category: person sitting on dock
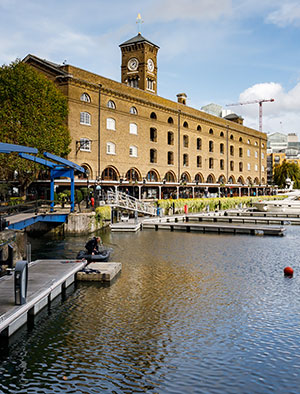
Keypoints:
pixel 92 245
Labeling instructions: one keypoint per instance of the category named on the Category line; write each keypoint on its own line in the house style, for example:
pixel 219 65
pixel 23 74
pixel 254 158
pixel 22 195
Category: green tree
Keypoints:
pixel 287 170
pixel 33 112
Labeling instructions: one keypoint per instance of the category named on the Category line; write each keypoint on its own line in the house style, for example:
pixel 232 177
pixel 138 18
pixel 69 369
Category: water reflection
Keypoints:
pixel 190 313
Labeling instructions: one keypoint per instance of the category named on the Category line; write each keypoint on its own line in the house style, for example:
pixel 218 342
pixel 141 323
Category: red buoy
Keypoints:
pixel 288 271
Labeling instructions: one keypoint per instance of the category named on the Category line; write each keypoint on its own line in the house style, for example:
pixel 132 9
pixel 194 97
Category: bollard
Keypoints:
pixel 21 282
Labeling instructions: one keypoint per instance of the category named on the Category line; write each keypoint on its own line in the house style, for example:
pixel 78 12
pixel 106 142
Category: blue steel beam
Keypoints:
pixel 9 148
pixel 65 162
pixel 55 218
pixel 38 160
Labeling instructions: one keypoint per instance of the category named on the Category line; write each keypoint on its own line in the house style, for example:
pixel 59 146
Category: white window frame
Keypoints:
pixel 256 154
pixel 85 97
pixel 110 124
pixel 111 104
pixel 85 145
pixel 85 118
pixel 256 167
pixel 110 148
pixel 249 167
pixel 248 152
pixel 133 110
pixel 133 128
pixel 133 151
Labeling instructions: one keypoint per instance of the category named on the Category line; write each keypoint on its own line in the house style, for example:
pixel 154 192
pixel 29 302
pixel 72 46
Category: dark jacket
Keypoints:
pixel 92 246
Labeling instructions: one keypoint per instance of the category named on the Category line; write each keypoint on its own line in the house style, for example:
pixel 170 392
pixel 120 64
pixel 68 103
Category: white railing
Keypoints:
pixel 125 201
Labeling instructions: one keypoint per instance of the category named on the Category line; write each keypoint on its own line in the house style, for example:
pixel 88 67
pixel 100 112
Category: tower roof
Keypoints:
pixel 137 39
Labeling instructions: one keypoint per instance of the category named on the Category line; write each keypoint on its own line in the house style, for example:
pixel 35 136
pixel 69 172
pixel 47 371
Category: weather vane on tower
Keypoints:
pixel 139 22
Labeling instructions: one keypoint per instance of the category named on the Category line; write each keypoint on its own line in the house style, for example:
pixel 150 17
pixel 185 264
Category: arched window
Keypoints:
pixel 109 174
pixel 133 111
pixel 240 180
pixel 170 138
pixel 199 161
pixel 133 129
pixel 185 160
pixel 231 165
pixel 199 143
pixel 231 180
pixel 240 152
pixel 152 176
pixel 85 97
pixel 199 178
pixel 222 179
pixel 222 148
pixel 240 166
pixel 153 115
pixel 133 82
pixel 211 163
pixel 133 151
pixel 185 177
pixel 231 149
pixel 210 179
pixel 231 137
pixel 221 134
pixel 170 177
pixel 111 148
pixel 170 120
pixel 211 131
pixel 170 158
pixel 133 175
pixel 110 124
pixel 111 104
pixel 222 164
pixel 185 141
pixel 85 118
pixel 153 134
pixel 210 146
pixel 153 156
pixel 199 128
pixel 240 139
pixel 185 124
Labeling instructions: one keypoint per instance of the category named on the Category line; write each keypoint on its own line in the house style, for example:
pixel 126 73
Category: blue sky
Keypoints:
pixel 221 51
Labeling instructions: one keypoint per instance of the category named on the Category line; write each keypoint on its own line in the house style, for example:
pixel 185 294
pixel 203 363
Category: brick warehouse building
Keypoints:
pixel 126 135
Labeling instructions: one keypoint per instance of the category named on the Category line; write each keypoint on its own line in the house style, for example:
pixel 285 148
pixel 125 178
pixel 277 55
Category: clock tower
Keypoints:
pixel 139 63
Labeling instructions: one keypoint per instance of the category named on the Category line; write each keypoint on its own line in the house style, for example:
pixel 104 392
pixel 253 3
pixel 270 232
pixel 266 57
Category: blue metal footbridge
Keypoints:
pixel 59 167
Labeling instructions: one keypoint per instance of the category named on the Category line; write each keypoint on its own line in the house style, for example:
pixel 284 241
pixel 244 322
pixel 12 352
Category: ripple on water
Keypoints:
pixel 190 313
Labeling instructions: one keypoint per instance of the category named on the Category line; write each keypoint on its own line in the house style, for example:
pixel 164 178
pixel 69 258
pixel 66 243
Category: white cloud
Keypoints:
pixel 287 14
pixel 284 112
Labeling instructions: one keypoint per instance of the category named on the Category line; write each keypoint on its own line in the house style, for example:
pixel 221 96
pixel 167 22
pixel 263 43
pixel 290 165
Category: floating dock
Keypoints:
pixel 99 272
pixel 46 280
pixel 235 228
pixel 125 226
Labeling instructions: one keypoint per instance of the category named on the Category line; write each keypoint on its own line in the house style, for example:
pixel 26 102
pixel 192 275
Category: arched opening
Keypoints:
pixel 231 179
pixel 241 180
pixel 153 115
pixel 170 120
pixel 199 128
pixel 185 177
pixel 110 174
pixel 256 181
pixel 222 179
pixel 170 177
pixel 185 124
pixel 152 176
pixel 211 179
pixel 88 172
pixel 133 175
pixel 199 178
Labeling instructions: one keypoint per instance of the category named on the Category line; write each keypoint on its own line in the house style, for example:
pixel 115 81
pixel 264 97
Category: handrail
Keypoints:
pixel 29 206
pixel 128 202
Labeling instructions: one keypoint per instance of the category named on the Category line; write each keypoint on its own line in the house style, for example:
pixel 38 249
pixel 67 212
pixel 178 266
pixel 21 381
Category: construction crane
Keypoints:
pixel 254 102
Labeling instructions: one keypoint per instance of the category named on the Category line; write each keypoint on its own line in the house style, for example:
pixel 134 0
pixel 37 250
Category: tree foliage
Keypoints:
pixel 284 171
pixel 33 112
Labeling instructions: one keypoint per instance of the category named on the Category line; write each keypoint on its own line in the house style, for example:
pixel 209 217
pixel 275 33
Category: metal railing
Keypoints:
pixel 123 200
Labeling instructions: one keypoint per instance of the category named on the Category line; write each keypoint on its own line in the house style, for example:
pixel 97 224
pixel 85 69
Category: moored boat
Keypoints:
pixel 289 205
pixel 102 256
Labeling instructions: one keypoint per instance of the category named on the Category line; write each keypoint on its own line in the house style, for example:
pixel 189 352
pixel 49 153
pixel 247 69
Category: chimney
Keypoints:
pixel 181 98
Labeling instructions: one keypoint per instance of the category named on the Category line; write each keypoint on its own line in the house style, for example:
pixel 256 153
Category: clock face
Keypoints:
pixel 133 64
pixel 150 65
